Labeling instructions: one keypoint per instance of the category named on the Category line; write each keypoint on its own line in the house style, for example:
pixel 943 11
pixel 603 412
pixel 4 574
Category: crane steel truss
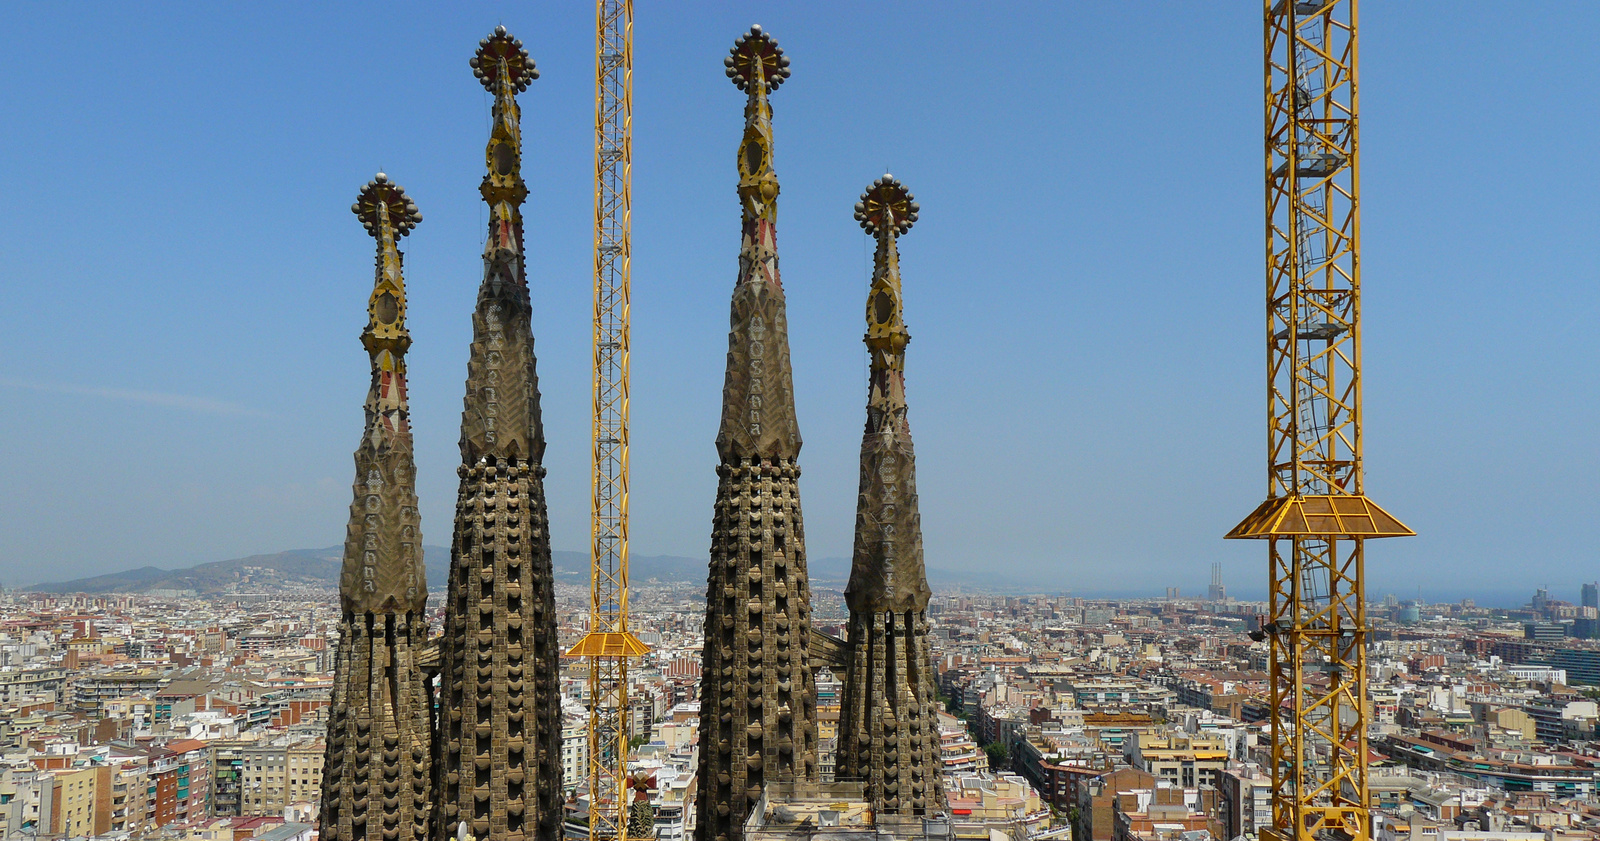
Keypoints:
pixel 1316 516
pixel 609 644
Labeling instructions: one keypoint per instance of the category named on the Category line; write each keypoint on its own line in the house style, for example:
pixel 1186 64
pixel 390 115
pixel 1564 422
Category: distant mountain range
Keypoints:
pixel 301 569
pixel 318 569
pixel 291 570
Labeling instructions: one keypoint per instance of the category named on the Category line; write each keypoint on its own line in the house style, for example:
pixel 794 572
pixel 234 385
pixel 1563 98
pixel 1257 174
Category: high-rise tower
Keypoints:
pixel 377 778
pixel 1216 592
pixel 757 695
pixel 889 725
pixel 499 736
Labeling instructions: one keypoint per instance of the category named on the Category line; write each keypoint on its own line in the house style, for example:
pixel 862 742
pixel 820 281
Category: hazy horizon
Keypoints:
pixel 958 579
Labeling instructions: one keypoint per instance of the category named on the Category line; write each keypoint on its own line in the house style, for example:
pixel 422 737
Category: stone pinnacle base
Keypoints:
pixel 758 696
pixel 889 726
pixel 500 708
pixel 377 768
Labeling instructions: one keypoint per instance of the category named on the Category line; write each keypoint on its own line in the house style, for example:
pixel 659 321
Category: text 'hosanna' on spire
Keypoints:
pixel 377 772
pixel 499 742
pixel 757 695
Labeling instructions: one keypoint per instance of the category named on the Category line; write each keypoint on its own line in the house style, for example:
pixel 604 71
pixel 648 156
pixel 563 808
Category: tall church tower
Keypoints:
pixel 889 724
pixel 757 695
pixel 377 779
pixel 499 748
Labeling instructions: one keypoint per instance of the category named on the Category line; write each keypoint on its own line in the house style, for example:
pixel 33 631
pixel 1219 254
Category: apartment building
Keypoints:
pixel 1180 759
pixel 280 774
pixel 25 800
pixel 19 684
pixel 80 802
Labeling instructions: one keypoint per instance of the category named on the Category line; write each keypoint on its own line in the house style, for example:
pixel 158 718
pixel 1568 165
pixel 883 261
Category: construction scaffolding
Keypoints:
pixel 609 644
pixel 1316 517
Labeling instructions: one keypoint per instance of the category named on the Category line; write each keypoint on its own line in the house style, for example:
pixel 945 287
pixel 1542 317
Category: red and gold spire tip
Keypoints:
pixel 887 206
pixel 382 193
pixel 756 55
pixel 501 50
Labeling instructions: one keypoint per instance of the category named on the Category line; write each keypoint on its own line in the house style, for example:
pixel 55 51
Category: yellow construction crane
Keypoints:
pixel 609 644
pixel 1316 516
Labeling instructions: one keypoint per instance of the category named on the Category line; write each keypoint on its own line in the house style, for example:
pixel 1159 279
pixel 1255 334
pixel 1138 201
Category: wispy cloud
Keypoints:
pixel 184 402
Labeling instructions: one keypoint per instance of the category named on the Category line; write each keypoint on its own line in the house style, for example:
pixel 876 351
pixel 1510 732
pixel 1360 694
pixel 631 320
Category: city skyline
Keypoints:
pixel 1478 283
pixel 1241 584
pixel 992 660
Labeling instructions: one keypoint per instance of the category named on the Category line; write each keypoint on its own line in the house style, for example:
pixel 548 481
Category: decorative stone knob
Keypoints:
pixel 756 55
pixel 886 206
pixel 500 49
pixel 403 213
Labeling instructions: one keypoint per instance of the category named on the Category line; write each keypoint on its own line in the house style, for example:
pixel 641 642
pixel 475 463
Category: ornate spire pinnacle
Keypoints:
pixel 887 574
pixel 502 413
pixel 503 66
pixel 387 215
pixel 499 735
pixel 757 66
pixel 888 726
pixel 377 774
pixel 886 211
pixel 757 693
pixel 758 401
pixel 383 555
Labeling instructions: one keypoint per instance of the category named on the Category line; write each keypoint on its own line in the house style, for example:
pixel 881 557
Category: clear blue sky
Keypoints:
pixel 182 283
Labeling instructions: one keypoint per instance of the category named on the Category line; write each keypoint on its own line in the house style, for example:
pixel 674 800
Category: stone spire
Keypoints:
pixel 757 693
pixel 889 724
pixel 377 778
pixel 499 735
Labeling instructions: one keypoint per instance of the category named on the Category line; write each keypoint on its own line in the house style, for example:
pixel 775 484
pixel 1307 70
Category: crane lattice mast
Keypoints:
pixel 1316 517
pixel 609 644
